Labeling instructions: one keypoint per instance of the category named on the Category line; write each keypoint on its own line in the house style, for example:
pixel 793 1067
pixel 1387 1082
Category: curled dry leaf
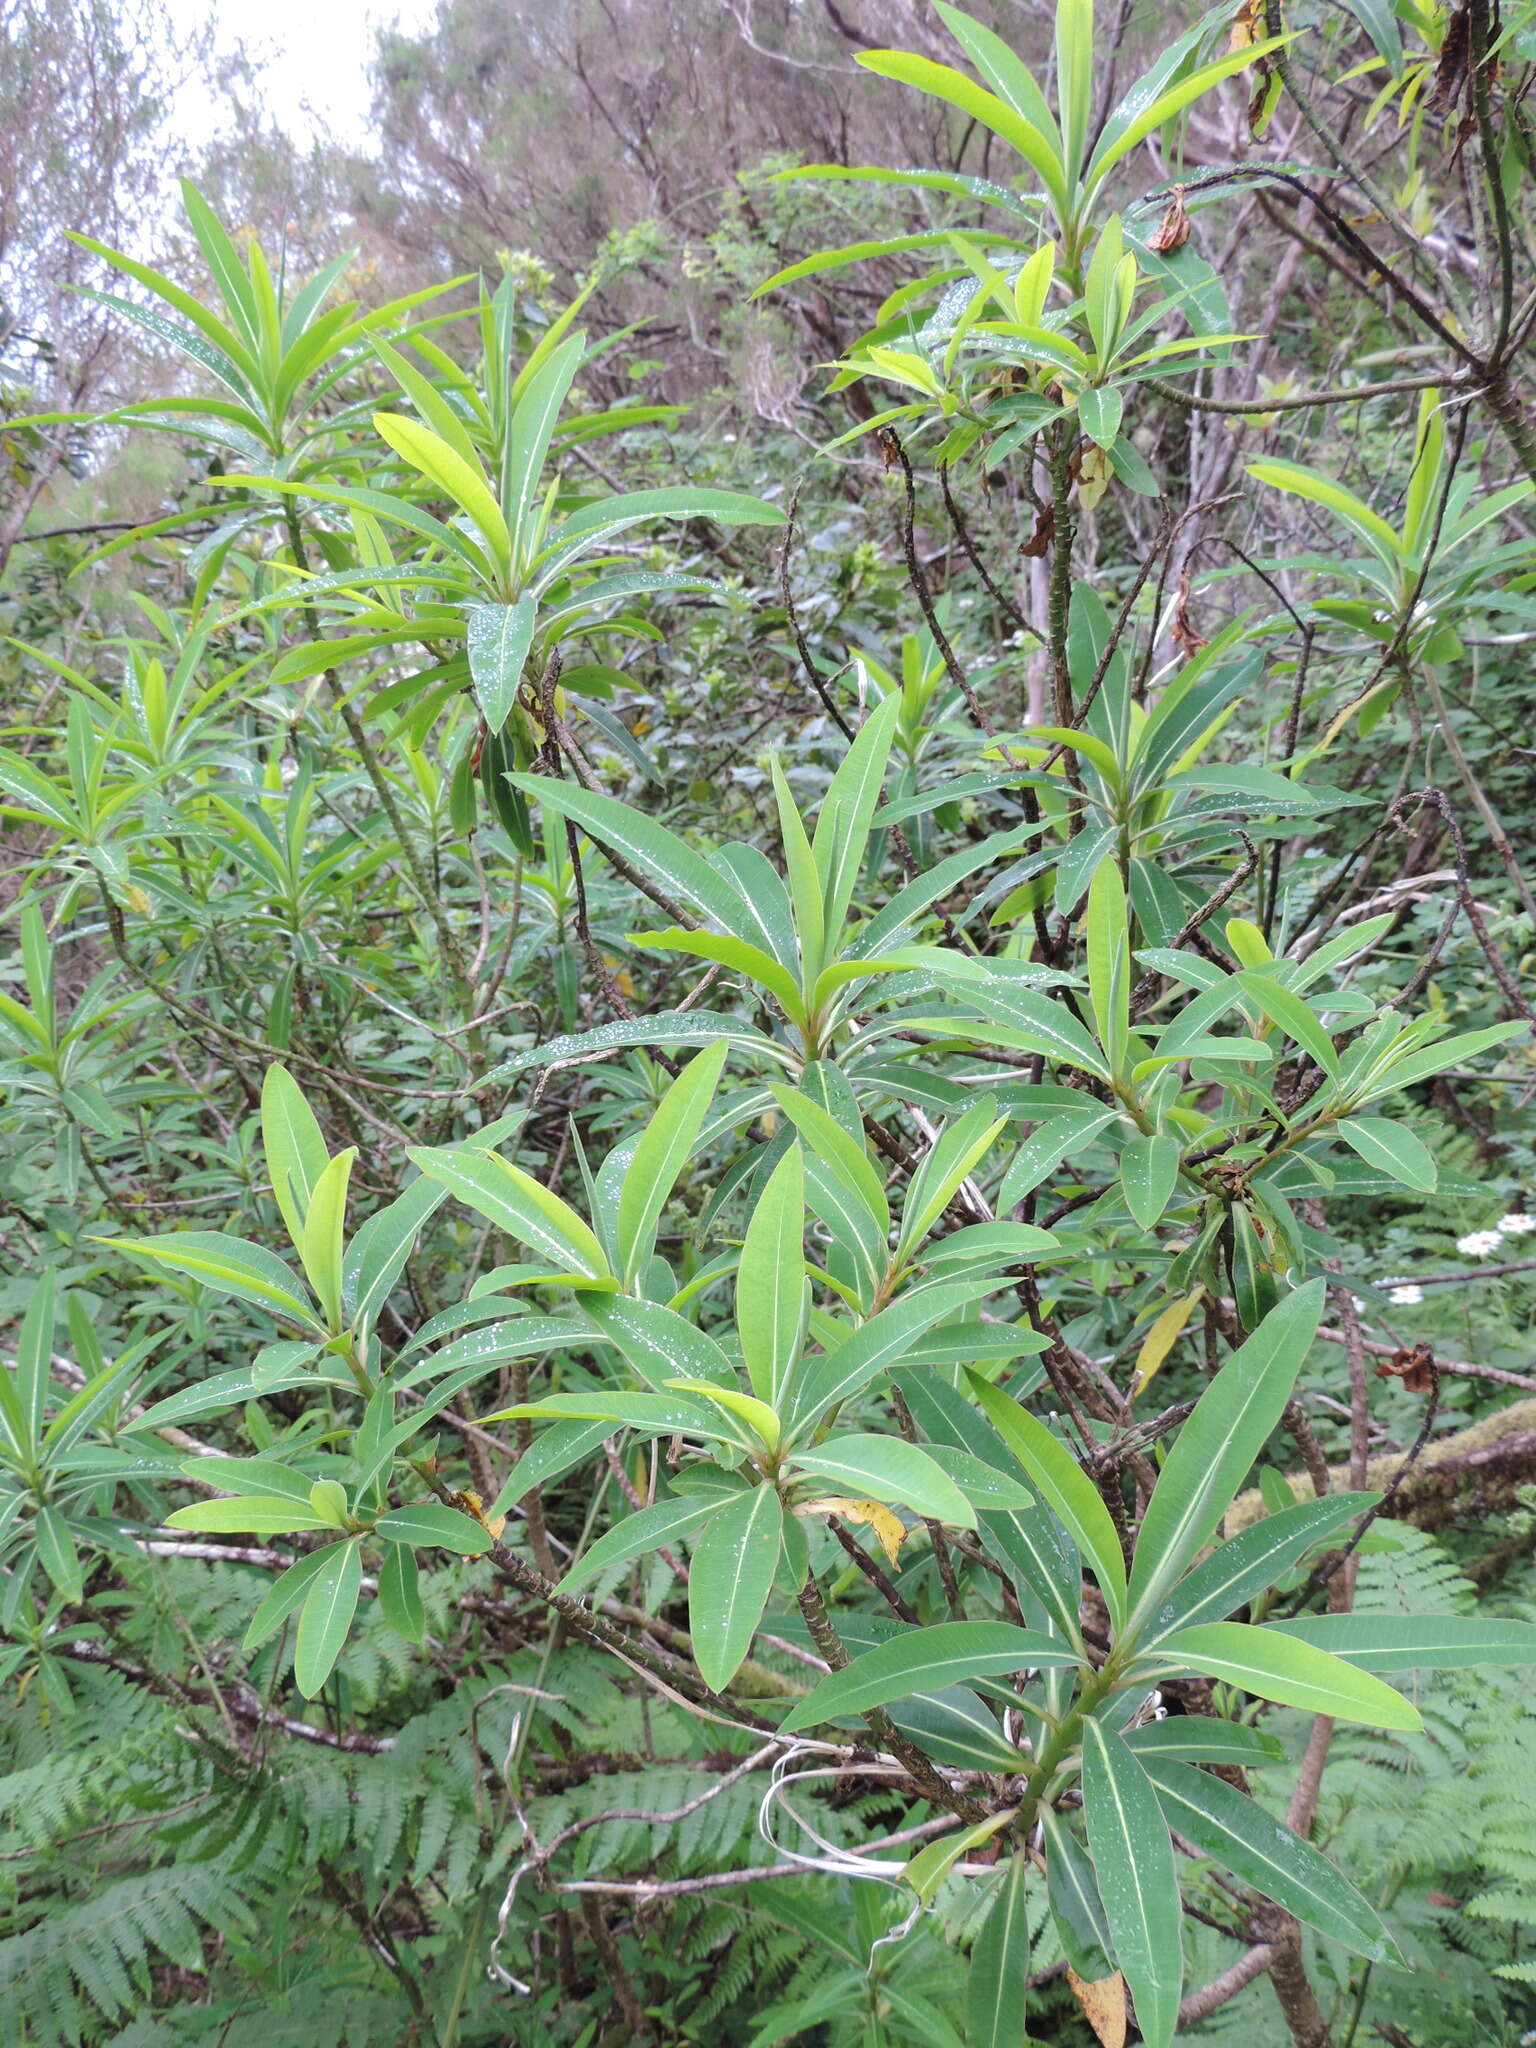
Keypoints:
pixel 1173 228
pixel 888 1528
pixel 1103 2006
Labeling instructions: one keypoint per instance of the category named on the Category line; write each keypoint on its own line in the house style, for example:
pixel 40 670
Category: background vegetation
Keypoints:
pixel 765 1044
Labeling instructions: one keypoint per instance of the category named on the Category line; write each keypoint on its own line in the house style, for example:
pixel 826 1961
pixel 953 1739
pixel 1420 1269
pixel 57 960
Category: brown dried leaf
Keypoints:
pixel 1045 532
pixel 1103 2006
pixel 1173 229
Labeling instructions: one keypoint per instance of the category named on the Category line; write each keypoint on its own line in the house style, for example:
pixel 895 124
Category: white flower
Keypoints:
pixel 1479 1243
pixel 1515 1224
pixel 1407 1295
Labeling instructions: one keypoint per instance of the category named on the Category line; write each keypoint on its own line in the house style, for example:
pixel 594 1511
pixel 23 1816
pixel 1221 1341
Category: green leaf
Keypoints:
pixel 499 638
pixel 1255 1559
pixel 377 1254
pixel 464 482
pixel 731 1576
pixel 1282 1668
pixel 759 1417
pixel 1230 1425
pixel 647 1529
pixel 1393 1148
pixel 842 827
pixel 1254 1846
pixel 284 1596
pixel 926 1660
pixel 661 1152
pixel 34 1354
pixel 943 82
pixel 1109 960
pixel 400 1593
pixel 328 1609
pixel 1194 1739
pixel 770 1281
pixel 56 1552
pixel 886 1468
pixel 515 1201
pixel 248 1516
pixel 534 419
pixel 226 1264
pixel 1301 482
pixel 929 1867
pixel 1066 1487
pixel 322 1245
pixel 1056 1139
pixel 667 1027
pixel 1418 1642
pixel 258 1478
pixel 1293 1016
pixel 294 1146
pixel 1100 409
pixel 428 1522
pixel 660 854
pixel 1076 1908
pixel 1138 1883
pixel 997 1984
pixel 1149 1173
pixel 825 1382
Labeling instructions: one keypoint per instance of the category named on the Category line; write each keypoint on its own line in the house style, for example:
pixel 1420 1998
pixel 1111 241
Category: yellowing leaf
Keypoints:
pixel 1159 1340
pixel 1093 475
pixel 888 1528
pixel 1103 2006
pixel 1248 28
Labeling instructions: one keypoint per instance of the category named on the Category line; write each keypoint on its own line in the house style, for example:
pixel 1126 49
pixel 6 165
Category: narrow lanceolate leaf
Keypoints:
pixel 823 1383
pixel 1392 1147
pixel 661 1152
pixel 998 1981
pixel 770 1281
pixel 56 1552
pixel 1283 1668
pixel 927 1660
pixel 1417 1642
pixel 886 1468
pixel 1149 1173
pixel 1253 1560
pixel 1109 949
pixel 495 1188
pixel 648 1529
pixel 328 1610
pixel 322 1243
pixel 842 828
pixel 284 1596
pixel 1219 1442
pixel 430 1524
pixel 294 1146
pixel 661 855
pixel 734 1561
pixel 1073 1893
pixel 1196 1739
pixel 1066 1487
pixel 1253 1845
pixel 1138 1882
pixel 499 638
pixel 226 1264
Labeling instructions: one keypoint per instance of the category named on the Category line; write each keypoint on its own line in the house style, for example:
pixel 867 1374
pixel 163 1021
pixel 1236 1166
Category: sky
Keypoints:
pixel 316 56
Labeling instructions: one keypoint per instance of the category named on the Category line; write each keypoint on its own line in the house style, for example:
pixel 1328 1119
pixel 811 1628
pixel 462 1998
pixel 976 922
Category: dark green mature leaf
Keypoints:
pixel 329 1606
pixel 1138 1883
pixel 1218 1443
pixel 1253 1560
pixel 499 638
pixel 925 1660
pixel 1416 1642
pixel 1256 1847
pixel 997 1986
pixel 734 1561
